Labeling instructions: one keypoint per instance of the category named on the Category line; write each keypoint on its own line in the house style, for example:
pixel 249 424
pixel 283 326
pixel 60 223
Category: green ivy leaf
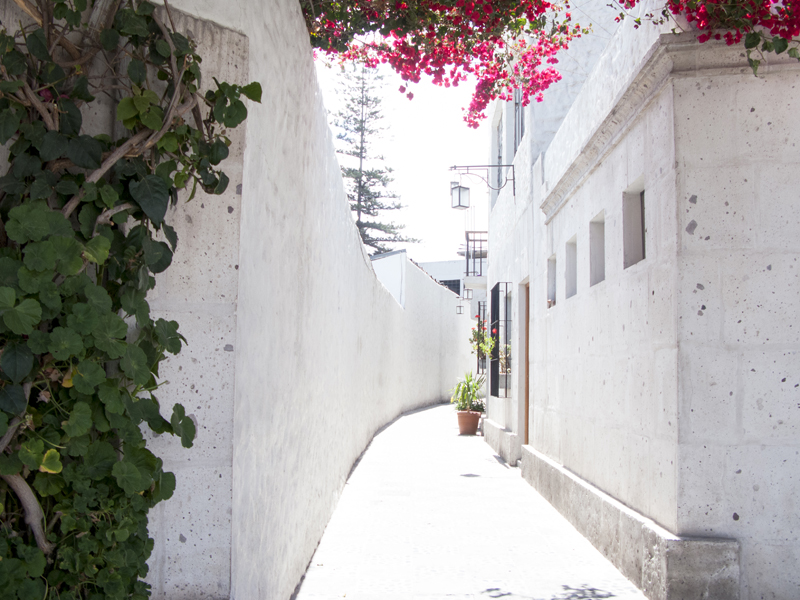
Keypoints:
pixel 54 146
pixel 38 341
pixel 109 196
pixel 171 236
pixel 84 319
pixel 3 423
pixel 110 334
pixel 22 318
pixel 41 187
pixel 128 477
pixel 10 464
pixel 31 453
pixel 99 460
pixel 33 558
pixel 96 249
pixel 48 485
pixel 153 118
pixel 87 377
pixel 37 45
pixel 111 396
pixel 64 343
pixel 80 420
pixel 16 361
pixel 780 45
pixel 218 152
pixel 98 298
pixel 137 71
pixel 26 165
pixel 8 271
pixel 253 91
pixel 15 63
pixel 168 336
pixel 67 187
pixel 49 297
pixel 68 253
pixel 33 281
pixel 157 255
pixel 9 123
pixel 182 425
pixel 85 151
pixel 109 39
pixel 9 87
pixel 51 463
pixel 152 195
pixel 40 256
pixel 12 399
pixel 134 365
pixel 165 487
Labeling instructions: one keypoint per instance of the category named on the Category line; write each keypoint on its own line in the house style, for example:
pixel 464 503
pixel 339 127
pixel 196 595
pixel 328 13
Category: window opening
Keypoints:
pixel 551 281
pixel 482 322
pixel 597 249
pixel 634 231
pixel 500 364
pixel 454 285
pixel 476 252
pixel 571 273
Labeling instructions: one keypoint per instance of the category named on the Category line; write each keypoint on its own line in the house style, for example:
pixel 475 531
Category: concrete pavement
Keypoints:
pixel 433 515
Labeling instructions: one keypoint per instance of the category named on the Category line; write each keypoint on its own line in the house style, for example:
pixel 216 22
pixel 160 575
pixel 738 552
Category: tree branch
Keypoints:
pixel 130 147
pixel 34 516
pixel 39 106
pixel 105 217
pixel 12 429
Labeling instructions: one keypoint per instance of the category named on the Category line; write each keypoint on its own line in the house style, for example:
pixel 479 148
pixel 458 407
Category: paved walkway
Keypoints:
pixel 430 514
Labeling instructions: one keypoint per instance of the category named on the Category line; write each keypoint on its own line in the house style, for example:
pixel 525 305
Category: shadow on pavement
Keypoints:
pixel 583 592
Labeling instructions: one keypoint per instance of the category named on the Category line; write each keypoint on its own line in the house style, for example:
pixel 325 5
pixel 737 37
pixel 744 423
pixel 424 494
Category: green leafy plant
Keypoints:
pixel 481 341
pixel 468 393
pixel 83 233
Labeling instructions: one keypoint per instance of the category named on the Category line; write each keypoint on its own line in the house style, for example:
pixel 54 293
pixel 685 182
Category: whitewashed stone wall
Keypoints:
pixel 297 354
pixel 669 385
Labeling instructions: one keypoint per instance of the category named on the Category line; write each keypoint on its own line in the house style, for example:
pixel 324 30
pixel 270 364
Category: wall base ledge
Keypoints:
pixel 503 441
pixel 664 566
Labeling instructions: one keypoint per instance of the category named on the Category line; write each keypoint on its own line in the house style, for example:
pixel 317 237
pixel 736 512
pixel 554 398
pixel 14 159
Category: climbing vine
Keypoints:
pixel 509 45
pixel 83 232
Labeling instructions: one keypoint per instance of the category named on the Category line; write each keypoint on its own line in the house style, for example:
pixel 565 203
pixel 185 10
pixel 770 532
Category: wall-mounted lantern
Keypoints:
pixel 460 309
pixel 460 195
pixel 467 294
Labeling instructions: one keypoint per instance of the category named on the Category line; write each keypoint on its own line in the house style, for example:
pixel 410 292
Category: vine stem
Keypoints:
pixel 34 14
pixel 34 516
pixel 123 150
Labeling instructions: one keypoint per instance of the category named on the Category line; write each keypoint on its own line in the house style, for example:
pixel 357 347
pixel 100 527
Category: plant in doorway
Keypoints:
pixel 467 396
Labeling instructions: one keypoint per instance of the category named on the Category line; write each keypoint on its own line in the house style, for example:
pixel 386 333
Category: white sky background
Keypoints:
pixel 424 137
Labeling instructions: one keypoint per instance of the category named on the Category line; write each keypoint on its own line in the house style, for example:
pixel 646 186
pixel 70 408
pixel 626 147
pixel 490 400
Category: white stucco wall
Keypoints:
pixel 297 353
pixel 669 384
pixel 738 302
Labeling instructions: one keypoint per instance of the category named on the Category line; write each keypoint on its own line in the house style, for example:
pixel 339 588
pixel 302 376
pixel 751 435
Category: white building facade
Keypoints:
pixel 650 257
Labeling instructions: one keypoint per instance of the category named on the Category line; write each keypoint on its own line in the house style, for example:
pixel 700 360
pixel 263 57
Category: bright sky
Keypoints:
pixel 424 137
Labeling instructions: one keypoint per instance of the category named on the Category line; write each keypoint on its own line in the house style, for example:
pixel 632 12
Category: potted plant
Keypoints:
pixel 467 396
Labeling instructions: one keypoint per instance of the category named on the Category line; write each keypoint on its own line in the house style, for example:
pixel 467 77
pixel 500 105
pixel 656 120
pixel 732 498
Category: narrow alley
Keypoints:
pixel 431 514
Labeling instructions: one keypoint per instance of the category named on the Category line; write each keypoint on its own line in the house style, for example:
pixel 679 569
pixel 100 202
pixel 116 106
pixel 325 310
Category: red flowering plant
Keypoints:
pixel 512 44
pixel 503 44
pixel 482 343
pixel 764 25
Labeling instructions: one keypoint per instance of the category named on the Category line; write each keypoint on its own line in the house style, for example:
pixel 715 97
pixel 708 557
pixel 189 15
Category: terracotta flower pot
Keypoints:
pixel 468 421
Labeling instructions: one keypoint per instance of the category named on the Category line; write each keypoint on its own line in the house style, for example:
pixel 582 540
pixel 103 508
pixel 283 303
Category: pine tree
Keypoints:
pixel 367 180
